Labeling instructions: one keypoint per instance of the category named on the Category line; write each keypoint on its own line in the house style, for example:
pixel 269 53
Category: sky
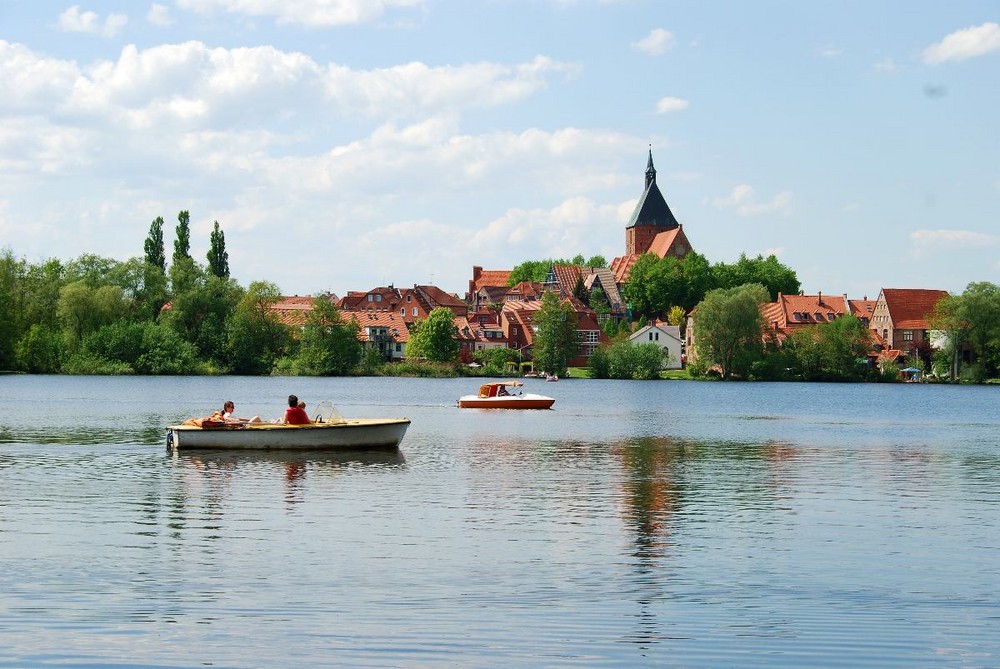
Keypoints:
pixel 350 144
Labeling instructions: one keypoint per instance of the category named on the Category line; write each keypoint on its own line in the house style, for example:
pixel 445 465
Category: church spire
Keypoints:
pixel 650 170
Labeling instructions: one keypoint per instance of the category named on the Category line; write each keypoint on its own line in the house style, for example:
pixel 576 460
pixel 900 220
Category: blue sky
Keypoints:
pixel 347 144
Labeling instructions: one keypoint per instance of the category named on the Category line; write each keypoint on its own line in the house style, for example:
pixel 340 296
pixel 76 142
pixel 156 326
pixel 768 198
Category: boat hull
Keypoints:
pixel 346 435
pixel 513 402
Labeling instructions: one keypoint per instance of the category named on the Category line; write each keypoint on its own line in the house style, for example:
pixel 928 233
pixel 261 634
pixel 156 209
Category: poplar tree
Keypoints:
pixel 154 245
pixel 182 244
pixel 218 257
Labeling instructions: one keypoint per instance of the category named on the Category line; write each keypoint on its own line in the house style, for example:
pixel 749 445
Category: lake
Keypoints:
pixel 668 523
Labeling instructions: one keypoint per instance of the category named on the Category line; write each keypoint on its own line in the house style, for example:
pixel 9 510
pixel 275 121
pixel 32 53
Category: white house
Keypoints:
pixel 667 337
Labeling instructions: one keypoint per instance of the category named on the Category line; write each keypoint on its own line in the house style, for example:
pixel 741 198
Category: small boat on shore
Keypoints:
pixel 345 434
pixel 495 395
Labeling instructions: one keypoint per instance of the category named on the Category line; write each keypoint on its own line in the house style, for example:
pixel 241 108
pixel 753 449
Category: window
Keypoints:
pixel 399 348
pixel 657 336
pixel 819 316
pixel 409 298
pixel 907 335
pixel 402 311
pixel 650 336
pixel 371 298
pixel 378 298
pixel 414 311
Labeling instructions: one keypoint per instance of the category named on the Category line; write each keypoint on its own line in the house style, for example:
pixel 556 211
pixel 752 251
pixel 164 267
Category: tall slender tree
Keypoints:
pixel 218 257
pixel 555 335
pixel 154 245
pixel 182 244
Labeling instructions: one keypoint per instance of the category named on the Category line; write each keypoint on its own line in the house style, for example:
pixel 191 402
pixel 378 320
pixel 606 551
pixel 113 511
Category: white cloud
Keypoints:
pixel 159 15
pixel 317 13
pixel 669 104
pixel 75 21
pixel 885 66
pixel 964 44
pixel 656 43
pixel 743 201
pixel 831 52
pixel 928 241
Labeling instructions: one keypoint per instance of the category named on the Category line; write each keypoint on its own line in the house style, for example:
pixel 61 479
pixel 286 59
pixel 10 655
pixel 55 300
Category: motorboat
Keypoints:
pixel 504 395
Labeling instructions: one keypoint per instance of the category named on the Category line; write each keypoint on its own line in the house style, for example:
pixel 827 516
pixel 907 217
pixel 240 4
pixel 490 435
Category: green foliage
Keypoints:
pixel 40 351
pixel 330 345
pixel 218 258
pixel 497 360
pixel 655 285
pixel 768 272
pixel 729 329
pixel 153 247
pixel 624 360
pixel 555 335
pixel 596 261
pixel 433 338
pixel 82 309
pixel 835 351
pixel 182 242
pixel 143 347
pixel 372 362
pixel 676 316
pixel 255 337
pixel 530 270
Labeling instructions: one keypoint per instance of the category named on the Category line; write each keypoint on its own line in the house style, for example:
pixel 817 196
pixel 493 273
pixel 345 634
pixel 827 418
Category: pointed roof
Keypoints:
pixel 652 209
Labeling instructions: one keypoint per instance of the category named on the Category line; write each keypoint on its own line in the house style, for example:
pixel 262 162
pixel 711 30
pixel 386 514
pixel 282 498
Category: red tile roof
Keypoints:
pixel 909 307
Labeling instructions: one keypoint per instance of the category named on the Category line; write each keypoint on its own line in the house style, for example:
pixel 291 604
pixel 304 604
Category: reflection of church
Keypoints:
pixel 651 229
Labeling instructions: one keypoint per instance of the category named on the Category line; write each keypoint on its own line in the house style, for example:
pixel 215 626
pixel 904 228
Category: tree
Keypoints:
pixel 82 309
pixel 676 316
pixel 949 319
pixel 656 284
pixel 433 338
pixel 218 258
pixel 330 345
pixel 980 307
pixel 835 351
pixel 729 327
pixel 597 261
pixel 768 272
pixel 255 336
pixel 182 243
pixel 555 335
pixel 154 245
pixel 624 360
pixel 496 360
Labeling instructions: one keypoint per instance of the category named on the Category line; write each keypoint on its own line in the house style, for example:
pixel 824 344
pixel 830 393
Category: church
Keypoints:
pixel 652 228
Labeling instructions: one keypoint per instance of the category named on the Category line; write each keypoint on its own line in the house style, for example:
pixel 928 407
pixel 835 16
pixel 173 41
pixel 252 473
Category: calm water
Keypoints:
pixel 636 524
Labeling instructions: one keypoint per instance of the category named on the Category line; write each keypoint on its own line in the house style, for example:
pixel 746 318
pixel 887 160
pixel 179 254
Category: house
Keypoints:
pixel 487 287
pixel 667 337
pixel 517 321
pixel 900 318
pixel 652 228
pixel 411 304
pixel 598 284
pixel 793 312
pixel 385 331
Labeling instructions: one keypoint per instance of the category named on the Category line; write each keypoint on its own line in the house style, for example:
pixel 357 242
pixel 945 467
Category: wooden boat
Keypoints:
pixel 348 433
pixel 496 396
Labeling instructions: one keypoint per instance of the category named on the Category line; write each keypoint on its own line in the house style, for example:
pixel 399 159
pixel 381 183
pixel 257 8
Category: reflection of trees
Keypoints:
pixel 667 483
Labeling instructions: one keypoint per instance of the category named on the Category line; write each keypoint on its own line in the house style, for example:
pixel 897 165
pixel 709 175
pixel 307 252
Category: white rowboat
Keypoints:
pixel 349 433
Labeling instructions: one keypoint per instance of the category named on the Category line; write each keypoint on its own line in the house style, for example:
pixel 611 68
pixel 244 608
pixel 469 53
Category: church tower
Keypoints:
pixel 651 216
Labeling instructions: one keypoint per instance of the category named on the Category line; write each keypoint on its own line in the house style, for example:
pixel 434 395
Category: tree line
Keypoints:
pixel 95 315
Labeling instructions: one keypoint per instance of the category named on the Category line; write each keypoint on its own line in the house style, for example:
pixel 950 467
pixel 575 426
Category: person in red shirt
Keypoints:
pixel 294 414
